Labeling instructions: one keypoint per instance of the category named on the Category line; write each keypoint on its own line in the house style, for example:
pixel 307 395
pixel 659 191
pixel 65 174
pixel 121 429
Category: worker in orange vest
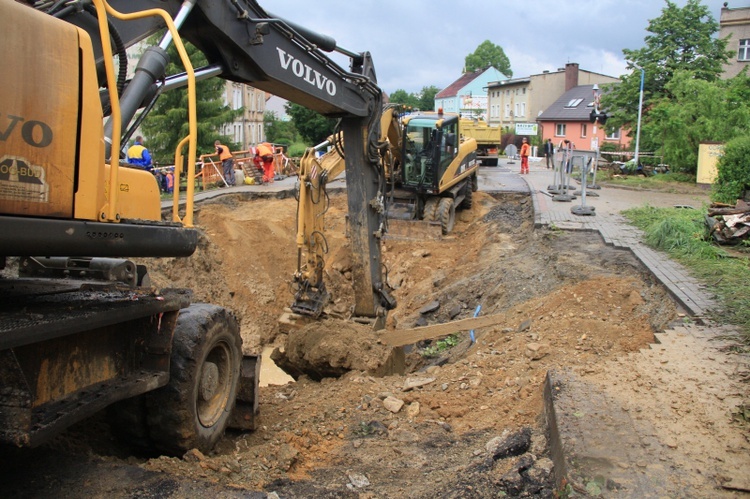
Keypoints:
pixel 525 152
pixel 227 162
pixel 170 180
pixel 265 152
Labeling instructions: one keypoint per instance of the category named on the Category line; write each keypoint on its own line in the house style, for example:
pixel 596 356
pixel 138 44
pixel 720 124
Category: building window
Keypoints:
pixel 560 130
pixel 523 109
pixel 573 102
pixel 583 130
pixel 507 110
pixel 613 134
pixel 744 52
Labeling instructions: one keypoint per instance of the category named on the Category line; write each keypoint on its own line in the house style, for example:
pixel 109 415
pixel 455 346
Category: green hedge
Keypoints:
pixel 733 171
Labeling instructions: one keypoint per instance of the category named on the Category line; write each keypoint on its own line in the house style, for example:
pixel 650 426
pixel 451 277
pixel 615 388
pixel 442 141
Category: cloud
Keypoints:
pixel 418 43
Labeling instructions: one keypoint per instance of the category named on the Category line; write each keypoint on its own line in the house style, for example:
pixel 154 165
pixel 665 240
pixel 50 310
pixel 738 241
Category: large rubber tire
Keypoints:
pixel 447 215
pixel 430 209
pixel 468 189
pixel 193 410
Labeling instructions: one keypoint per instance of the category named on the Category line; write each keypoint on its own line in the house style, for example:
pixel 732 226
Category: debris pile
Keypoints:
pixel 729 224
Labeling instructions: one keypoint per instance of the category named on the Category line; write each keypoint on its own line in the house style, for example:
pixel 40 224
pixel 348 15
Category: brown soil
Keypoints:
pixel 567 300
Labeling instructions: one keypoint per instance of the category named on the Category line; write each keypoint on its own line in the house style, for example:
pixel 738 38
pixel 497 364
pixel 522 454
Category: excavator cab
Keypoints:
pixel 419 153
pixel 429 148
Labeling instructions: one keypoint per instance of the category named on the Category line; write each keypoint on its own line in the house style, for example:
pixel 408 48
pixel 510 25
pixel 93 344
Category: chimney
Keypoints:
pixel 571 75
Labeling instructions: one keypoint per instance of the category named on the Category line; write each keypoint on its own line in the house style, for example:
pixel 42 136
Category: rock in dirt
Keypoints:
pixel 411 383
pixel 430 307
pixel 358 480
pixel 513 444
pixel 536 351
pixel 331 348
pixel 393 404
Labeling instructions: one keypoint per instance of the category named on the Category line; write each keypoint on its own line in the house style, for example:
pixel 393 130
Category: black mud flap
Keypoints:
pixel 245 413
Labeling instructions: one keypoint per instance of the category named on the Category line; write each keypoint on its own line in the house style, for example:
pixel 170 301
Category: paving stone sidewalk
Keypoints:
pixel 694 297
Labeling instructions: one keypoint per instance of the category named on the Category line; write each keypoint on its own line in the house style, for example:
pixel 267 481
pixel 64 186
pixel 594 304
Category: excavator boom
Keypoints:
pixel 310 294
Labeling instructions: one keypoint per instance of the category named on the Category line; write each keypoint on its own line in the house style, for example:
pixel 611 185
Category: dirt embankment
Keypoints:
pixel 567 300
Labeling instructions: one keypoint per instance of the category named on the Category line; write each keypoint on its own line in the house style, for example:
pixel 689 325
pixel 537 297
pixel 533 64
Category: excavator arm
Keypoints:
pixel 310 294
pixel 244 43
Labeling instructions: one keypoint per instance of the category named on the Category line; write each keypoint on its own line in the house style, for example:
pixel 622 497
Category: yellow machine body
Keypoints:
pixel 51 140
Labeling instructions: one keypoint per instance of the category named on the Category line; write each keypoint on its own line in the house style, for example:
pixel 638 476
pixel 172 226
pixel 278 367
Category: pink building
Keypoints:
pixel 569 118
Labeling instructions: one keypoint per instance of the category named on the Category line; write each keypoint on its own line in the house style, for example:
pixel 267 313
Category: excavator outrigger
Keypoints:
pixel 80 327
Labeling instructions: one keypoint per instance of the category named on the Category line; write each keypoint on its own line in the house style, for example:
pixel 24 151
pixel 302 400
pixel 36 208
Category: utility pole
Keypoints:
pixel 640 108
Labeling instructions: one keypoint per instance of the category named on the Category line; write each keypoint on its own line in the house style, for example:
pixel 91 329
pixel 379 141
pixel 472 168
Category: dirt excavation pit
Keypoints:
pixel 461 422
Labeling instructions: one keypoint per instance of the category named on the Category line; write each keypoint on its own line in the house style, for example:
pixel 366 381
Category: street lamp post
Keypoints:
pixel 638 127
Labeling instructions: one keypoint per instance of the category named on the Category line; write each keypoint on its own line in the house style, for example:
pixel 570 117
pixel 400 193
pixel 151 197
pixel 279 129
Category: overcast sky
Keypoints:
pixel 418 43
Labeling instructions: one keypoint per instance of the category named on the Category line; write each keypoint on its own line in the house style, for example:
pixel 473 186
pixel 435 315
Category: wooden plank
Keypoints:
pixel 401 337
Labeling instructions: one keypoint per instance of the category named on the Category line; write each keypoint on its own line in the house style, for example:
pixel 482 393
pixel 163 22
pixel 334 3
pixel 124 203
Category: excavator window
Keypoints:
pixel 421 151
pixel 448 149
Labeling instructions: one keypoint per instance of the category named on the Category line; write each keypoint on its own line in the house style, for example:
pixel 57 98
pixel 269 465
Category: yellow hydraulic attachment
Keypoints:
pixel 310 295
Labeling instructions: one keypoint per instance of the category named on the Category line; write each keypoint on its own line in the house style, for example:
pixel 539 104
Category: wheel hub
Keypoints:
pixel 209 381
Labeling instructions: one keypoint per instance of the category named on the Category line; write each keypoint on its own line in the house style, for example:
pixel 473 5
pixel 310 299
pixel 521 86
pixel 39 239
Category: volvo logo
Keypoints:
pixel 35 133
pixel 306 73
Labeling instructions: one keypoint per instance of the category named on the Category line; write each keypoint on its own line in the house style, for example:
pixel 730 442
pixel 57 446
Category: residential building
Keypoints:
pixel 468 94
pixel 522 100
pixel 247 129
pixel 568 118
pixel 734 24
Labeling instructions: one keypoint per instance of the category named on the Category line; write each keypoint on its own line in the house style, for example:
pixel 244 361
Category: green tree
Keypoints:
pixel 427 98
pixel 278 131
pixel 733 177
pixel 488 54
pixel 312 126
pixel 406 99
pixel 167 123
pixel 698 111
pixel 679 39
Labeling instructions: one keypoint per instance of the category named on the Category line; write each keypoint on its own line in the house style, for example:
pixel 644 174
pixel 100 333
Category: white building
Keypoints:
pixel 247 129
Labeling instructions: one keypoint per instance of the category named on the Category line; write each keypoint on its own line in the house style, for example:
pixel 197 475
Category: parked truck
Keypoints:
pixel 489 139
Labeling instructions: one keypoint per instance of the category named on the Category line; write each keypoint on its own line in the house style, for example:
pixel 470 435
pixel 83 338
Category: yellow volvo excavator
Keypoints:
pixel 80 327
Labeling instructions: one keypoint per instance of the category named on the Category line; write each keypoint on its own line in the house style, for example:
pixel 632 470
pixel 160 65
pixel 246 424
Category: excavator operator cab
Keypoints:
pixel 430 145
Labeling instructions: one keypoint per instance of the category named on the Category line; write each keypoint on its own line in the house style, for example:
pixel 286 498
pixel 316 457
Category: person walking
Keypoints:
pixel 549 151
pixel 139 155
pixel 525 151
pixel 227 162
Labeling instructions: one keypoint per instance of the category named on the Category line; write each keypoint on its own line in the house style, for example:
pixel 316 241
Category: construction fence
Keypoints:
pixel 210 173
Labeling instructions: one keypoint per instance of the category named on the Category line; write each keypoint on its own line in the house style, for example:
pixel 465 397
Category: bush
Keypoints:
pixel 733 171
pixel 296 150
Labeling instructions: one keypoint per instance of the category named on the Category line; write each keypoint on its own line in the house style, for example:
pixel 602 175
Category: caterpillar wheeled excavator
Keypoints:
pixel 429 173
pixel 81 329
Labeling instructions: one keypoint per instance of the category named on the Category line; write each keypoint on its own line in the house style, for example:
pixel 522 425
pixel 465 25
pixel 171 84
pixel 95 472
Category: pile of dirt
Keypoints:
pixel 566 299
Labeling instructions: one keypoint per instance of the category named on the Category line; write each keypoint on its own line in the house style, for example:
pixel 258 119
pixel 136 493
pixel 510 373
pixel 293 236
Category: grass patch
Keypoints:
pixel 683 234
pixel 665 182
pixel 441 346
